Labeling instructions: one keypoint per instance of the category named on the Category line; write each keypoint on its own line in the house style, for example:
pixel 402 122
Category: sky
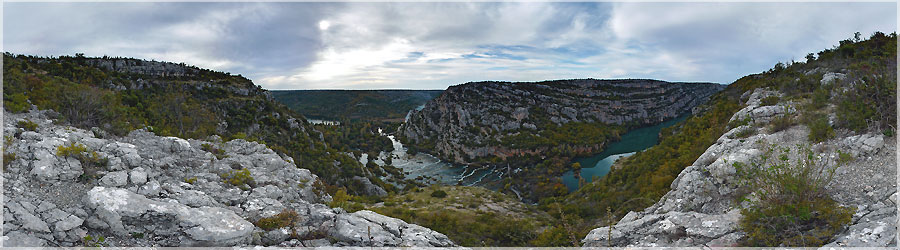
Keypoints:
pixel 435 45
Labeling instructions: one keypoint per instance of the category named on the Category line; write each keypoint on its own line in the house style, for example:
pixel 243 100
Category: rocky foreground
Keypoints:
pixel 701 208
pixel 147 190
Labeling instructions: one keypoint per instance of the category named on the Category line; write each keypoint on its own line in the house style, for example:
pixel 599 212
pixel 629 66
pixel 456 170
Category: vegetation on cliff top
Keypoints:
pixel 366 105
pixel 120 95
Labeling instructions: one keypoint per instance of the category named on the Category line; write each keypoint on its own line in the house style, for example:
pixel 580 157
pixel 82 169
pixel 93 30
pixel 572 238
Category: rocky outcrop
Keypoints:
pixel 468 120
pixel 702 208
pixel 148 190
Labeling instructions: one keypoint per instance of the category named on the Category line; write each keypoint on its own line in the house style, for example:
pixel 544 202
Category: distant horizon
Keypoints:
pixel 424 46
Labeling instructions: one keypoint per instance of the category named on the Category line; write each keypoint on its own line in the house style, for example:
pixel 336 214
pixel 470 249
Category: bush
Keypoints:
pixel 286 218
pixel 769 100
pixel 744 133
pixel 28 125
pixel 71 150
pixel 790 207
pixel 439 194
pixel 219 153
pixel 238 178
pixel 16 103
pixel 781 122
pixel 91 161
pixel 819 129
pixel 7 158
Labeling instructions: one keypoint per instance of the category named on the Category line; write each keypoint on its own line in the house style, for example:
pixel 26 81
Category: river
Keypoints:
pixel 631 142
pixel 435 171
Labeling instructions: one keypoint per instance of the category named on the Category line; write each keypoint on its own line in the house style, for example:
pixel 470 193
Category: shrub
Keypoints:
pixel 7 158
pixel 91 241
pixel 238 178
pixel 91 161
pixel 820 130
pixel 739 122
pixel 744 133
pixel 844 158
pixel 781 122
pixel 769 100
pixel 286 218
pixel 16 103
pixel 439 194
pixel 791 207
pixel 71 150
pixel 28 125
pixel 219 153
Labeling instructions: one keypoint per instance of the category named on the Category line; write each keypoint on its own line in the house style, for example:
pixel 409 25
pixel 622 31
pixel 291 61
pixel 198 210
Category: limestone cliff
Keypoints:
pixel 470 120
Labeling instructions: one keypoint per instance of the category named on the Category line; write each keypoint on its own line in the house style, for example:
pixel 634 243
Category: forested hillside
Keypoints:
pixel 370 105
pixel 118 95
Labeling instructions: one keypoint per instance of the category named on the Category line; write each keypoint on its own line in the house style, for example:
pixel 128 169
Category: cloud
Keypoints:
pixel 434 45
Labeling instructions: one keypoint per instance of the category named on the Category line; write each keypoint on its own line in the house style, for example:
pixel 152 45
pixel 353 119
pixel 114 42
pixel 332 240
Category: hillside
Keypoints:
pixel 118 95
pixel 539 127
pixel 841 104
pixel 371 105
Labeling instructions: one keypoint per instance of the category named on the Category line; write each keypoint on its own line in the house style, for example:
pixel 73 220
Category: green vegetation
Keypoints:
pixel 219 153
pixel 91 161
pixel 789 206
pixel 197 104
pixel 91 241
pixel 819 129
pixel 357 136
pixel 286 218
pixel 27 125
pixel 7 156
pixel 744 133
pixel 470 216
pixel 640 180
pixel 367 105
pixel 769 100
pixel 781 122
pixel 438 194
pixel 238 178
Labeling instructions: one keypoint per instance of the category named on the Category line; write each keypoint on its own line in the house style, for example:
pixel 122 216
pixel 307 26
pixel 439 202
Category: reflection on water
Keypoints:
pixel 634 141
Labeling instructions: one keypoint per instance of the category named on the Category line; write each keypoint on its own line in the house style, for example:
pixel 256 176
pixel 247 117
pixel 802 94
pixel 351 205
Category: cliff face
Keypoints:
pixel 146 190
pixel 470 120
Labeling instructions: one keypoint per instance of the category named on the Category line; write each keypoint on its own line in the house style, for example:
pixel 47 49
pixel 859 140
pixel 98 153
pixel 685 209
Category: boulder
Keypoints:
pixel 126 212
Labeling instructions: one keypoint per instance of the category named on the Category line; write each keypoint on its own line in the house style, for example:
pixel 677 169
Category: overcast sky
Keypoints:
pixel 435 45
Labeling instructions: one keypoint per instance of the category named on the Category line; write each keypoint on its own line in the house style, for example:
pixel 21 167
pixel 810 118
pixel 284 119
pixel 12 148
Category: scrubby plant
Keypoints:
pixel 71 150
pixel 91 241
pixel 7 156
pixel 238 178
pixel 286 218
pixel 16 103
pixel 789 206
pixel 844 158
pixel 769 100
pixel 91 161
pixel 219 153
pixel 744 133
pixel 819 129
pixel 781 122
pixel 28 125
pixel 438 194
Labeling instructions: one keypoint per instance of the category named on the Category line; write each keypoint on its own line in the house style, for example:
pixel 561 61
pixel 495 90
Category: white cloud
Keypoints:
pixel 434 45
